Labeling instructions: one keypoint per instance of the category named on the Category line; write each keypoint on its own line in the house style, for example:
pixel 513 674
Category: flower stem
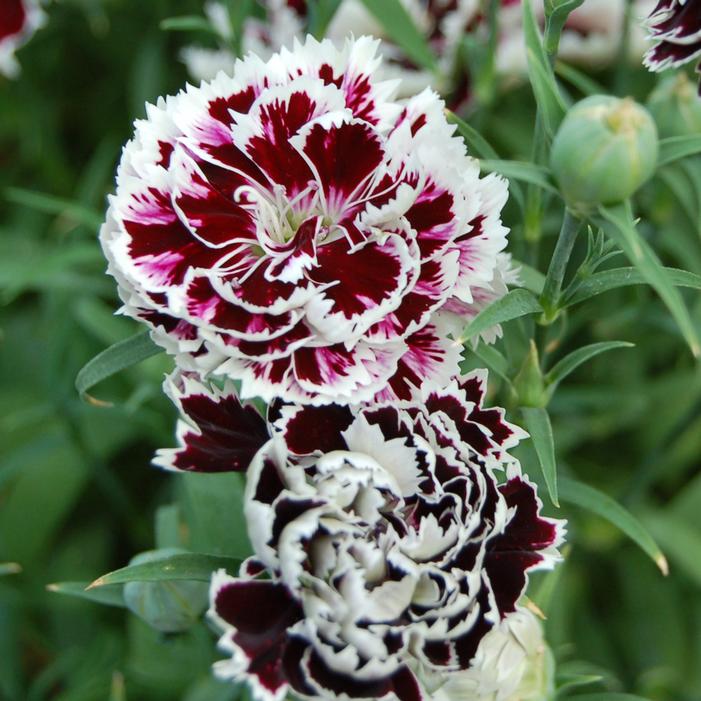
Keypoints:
pixel 550 297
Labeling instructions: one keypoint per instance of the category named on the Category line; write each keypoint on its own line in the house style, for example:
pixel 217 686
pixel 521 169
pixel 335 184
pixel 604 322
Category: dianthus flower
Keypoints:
pixel 389 539
pixel 295 228
pixel 19 19
pixel 675 26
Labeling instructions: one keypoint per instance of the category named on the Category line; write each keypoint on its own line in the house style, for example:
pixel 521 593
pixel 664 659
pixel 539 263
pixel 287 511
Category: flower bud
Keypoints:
pixel 605 149
pixel 676 107
pixel 168 606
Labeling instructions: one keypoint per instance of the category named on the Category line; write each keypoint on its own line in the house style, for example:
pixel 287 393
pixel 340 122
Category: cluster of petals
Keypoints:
pixel 389 540
pixel 295 227
pixel 590 38
pixel 19 19
pixel 675 26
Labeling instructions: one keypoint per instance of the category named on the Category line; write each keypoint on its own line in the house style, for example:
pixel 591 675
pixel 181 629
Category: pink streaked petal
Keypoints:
pixel 275 119
pixel 344 154
pixel 158 248
pixel 430 358
pixel 435 282
pixel 214 219
pixel 258 291
pixel 206 306
pixel 337 373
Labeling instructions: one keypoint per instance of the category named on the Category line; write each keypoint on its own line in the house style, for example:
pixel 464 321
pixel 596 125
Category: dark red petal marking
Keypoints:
pixel 272 151
pixel 433 218
pixel 363 278
pixel 313 429
pixel 161 246
pixel 511 554
pixel 423 359
pixel 12 18
pixel 230 434
pixel 344 156
pixel 260 612
pixel 205 304
pixel 214 218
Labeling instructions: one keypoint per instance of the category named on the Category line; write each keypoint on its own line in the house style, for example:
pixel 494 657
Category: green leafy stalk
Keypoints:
pixel 550 298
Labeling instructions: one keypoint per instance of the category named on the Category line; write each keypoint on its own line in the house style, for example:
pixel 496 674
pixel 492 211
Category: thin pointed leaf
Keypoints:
pixel 620 227
pixel 572 361
pixel 512 305
pixel 115 359
pixel 578 79
pixel 493 359
pixel 601 504
pixel 675 148
pixel 522 171
pixel 556 15
pixel 551 105
pixel 186 566
pixel 475 141
pixel 57 206
pixel 681 541
pixel 538 425
pixel 609 697
pixel 533 280
pixel 187 23
pixel 598 283
pixel 400 27
pixel 110 596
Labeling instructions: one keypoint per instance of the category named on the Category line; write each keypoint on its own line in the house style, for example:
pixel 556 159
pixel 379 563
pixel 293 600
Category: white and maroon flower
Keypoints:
pixel 512 664
pixel 19 19
pixel 389 540
pixel 675 26
pixel 295 228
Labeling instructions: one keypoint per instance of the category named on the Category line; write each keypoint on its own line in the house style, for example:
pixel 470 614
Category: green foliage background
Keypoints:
pixel 78 498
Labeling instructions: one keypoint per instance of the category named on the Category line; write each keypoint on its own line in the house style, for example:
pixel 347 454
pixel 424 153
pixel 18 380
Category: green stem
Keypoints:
pixel 552 288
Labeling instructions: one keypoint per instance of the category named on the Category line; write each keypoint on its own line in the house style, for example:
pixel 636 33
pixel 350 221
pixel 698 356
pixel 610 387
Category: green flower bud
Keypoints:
pixel 168 606
pixel 676 107
pixel 605 149
pixel 528 383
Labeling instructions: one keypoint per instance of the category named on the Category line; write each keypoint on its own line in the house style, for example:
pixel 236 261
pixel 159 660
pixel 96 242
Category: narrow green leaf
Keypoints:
pixel 538 425
pixel 601 504
pixel 9 568
pixel 512 305
pixel 55 205
pixel 619 225
pixel 604 696
pixel 556 14
pixel 478 146
pixel 598 283
pixel 400 27
pixel 493 359
pixel 572 361
pixel 109 595
pixel 118 689
pixel 320 14
pixel 115 359
pixel 578 79
pixel 521 170
pixel 533 280
pixel 551 105
pixel 190 566
pixel 681 541
pixel 187 23
pixel 675 148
